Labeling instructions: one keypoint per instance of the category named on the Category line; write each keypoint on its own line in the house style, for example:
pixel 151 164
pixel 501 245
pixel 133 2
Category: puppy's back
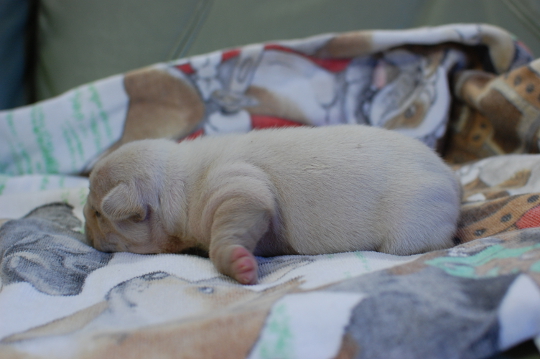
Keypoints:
pixel 340 186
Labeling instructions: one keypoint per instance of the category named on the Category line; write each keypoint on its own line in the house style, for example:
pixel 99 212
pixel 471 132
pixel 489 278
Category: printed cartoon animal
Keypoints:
pixel 273 192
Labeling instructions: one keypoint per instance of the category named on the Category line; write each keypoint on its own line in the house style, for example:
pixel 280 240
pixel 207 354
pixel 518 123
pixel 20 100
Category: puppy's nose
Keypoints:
pixel 97 245
pixel 105 245
pixel 88 235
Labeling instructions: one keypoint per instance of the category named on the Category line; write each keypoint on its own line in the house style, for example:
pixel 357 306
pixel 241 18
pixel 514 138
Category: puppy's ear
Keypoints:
pixel 123 202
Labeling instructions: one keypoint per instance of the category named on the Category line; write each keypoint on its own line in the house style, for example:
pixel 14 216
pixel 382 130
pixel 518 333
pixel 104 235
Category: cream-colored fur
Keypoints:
pixel 272 192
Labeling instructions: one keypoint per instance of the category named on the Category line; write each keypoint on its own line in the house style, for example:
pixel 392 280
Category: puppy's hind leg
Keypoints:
pixel 239 223
pixel 424 222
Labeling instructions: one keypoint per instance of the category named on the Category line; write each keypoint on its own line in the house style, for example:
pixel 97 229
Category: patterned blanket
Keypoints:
pixel 469 91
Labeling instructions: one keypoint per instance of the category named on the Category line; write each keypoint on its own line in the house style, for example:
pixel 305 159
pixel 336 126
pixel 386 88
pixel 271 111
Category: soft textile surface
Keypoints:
pixel 469 91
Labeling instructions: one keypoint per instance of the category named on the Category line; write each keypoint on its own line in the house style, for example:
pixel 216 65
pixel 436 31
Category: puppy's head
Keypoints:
pixel 122 210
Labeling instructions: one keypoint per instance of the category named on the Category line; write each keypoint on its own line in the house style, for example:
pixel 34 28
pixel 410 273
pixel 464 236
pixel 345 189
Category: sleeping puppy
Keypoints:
pixel 273 192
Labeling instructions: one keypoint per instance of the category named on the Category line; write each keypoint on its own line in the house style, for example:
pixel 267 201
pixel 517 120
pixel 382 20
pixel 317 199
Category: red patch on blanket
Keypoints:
pixel 531 219
pixel 258 122
pixel 261 121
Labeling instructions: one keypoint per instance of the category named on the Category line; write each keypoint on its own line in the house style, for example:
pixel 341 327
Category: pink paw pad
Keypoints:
pixel 243 266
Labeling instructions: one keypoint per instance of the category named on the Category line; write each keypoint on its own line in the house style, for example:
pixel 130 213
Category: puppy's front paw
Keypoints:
pixel 243 266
